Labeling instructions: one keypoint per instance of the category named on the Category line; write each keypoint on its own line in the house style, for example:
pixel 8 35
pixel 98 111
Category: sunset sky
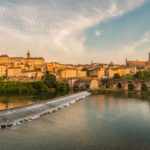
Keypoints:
pixel 76 31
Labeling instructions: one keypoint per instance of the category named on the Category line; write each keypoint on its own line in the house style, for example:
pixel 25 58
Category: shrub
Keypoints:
pixel 116 76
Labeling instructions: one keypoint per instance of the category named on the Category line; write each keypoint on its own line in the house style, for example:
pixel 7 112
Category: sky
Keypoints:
pixel 76 31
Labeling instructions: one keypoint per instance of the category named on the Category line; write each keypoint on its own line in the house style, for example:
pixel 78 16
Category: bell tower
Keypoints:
pixel 28 55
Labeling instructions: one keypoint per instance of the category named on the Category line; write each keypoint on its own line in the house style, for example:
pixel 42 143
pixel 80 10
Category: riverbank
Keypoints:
pixel 114 90
pixel 31 88
pixel 16 116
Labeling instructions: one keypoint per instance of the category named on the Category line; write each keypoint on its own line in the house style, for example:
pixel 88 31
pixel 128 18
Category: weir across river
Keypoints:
pixel 15 116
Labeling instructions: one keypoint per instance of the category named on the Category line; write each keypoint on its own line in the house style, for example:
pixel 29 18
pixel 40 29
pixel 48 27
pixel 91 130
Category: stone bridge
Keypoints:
pixel 83 84
pixel 124 84
pixel 112 84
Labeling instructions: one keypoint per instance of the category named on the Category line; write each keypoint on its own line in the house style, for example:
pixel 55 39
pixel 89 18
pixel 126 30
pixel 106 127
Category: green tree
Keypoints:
pixel 61 86
pixel 142 75
pixel 40 87
pixel 116 76
pixel 139 75
pixel 49 80
pixel 128 76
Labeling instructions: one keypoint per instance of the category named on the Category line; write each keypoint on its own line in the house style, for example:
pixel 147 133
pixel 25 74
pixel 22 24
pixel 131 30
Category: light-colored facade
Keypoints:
pixel 2 70
pixel 68 73
pixel 97 72
pixel 13 71
pixel 72 73
pixel 4 60
pixel 19 66
pixel 33 67
pixel 110 72
pixel 81 74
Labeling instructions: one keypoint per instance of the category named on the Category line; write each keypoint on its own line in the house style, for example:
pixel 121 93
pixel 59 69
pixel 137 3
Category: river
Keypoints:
pixel 9 101
pixel 98 122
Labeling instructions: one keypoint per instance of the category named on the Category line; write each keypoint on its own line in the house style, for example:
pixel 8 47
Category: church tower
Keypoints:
pixel 28 55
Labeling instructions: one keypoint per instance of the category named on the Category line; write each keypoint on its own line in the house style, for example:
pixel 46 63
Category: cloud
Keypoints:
pixel 55 29
pixel 134 50
pixel 97 33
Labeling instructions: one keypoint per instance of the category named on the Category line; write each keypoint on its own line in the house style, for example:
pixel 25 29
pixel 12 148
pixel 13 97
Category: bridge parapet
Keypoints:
pixel 124 84
pixel 113 84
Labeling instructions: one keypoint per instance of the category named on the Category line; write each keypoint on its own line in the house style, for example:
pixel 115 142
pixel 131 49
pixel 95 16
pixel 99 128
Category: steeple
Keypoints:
pixel 28 55
pixel 111 63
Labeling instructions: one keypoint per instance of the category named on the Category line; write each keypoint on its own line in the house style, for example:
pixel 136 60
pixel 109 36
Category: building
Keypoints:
pixel 72 73
pixel 28 55
pixel 97 72
pixel 32 74
pixel 81 73
pixel 19 66
pixel 68 73
pixel 34 60
pixel 110 72
pixel 13 71
pixel 2 70
pixel 34 67
pixel 4 60
pixel 137 63
pixel 16 61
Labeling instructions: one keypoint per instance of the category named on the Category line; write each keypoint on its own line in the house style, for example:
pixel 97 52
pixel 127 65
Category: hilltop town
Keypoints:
pixel 20 68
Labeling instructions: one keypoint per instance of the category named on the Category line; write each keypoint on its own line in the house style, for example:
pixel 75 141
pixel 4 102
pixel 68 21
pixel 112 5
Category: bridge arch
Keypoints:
pixel 125 84
pixel 144 87
pixel 131 86
pixel 119 85
pixel 107 86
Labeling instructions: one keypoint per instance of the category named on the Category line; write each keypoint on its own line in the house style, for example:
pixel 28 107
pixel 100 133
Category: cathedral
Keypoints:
pixel 138 64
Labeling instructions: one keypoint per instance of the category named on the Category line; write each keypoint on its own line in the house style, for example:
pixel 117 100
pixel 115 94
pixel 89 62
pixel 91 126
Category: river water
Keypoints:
pixel 7 102
pixel 99 122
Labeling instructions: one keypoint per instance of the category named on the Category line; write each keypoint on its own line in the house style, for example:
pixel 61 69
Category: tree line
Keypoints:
pixel 48 84
pixel 140 75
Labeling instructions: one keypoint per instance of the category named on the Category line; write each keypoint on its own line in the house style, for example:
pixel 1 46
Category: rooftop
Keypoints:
pixel 16 57
pixel 35 58
pixel 3 55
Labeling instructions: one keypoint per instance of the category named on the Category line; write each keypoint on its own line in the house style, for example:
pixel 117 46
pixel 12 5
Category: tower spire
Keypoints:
pixel 28 54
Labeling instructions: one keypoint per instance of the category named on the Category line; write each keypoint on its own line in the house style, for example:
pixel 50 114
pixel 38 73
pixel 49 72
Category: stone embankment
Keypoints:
pixel 16 116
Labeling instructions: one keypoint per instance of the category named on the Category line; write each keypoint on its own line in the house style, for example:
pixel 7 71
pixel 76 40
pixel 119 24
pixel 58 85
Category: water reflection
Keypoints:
pixel 110 107
pixel 139 96
pixel 15 101
pixel 117 121
pixel 145 96
pixel 7 102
